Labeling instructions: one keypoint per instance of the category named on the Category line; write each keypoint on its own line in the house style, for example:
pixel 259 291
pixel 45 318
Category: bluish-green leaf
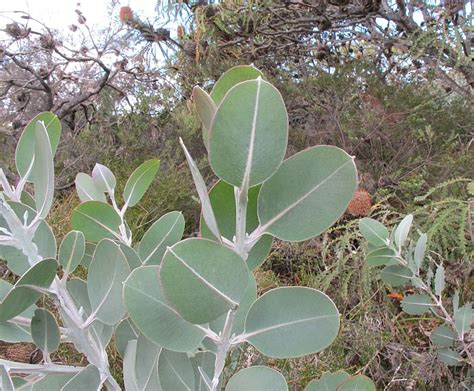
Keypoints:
pixel 165 232
pixel 327 382
pixel 420 250
pixel 374 232
pixel 381 257
pixel 43 171
pixel 139 181
pixel 396 275
pixel 282 322
pixel 131 256
pixel 86 380
pixel 45 331
pixel 175 371
pixel 416 304
pixel 96 220
pixel 104 179
pixel 449 357
pixel 439 280
pixel 249 134
pixel 463 319
pixel 124 332
pixel 7 382
pixel 71 251
pixel 87 190
pixel 357 383
pixel 25 150
pixel 14 333
pixel 307 194
pixel 402 230
pixel 146 364
pixel 202 279
pixel 443 336
pixel 154 316
pixel 206 108
pixel 257 378
pixel 203 363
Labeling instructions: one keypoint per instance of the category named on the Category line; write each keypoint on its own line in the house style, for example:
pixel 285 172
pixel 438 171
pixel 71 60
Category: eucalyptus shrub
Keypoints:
pixel 406 262
pixel 176 308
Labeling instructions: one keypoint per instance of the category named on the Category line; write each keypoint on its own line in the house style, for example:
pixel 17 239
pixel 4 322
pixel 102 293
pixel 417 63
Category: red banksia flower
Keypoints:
pixel 360 204
pixel 126 14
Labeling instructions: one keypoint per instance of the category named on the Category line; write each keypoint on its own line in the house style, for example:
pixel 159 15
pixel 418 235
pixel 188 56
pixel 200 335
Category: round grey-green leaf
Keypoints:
pixel 87 190
pixel 154 316
pixel 374 232
pixel 165 232
pixel 327 382
pixel 249 134
pixel 307 194
pixel 124 332
pixel 416 304
pixel 71 251
pixel 396 275
pixel 291 322
pixel 175 371
pixel 450 357
pixel 443 336
pixel 139 181
pixel 257 378
pixel 87 380
pixel 203 279
pixel 45 331
pixel 96 220
pixel 357 383
pixel 381 257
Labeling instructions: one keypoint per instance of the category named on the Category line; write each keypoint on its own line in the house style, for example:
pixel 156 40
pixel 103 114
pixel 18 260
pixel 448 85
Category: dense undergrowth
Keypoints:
pixel 412 147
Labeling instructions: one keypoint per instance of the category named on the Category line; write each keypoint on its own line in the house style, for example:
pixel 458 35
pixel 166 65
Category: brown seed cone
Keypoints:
pixel 360 204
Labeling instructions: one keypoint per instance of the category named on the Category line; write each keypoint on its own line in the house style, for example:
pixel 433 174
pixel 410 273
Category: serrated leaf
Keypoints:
pixel 307 194
pixel 43 171
pixel 45 331
pixel 381 257
pixel 107 271
pixel 374 232
pixel 449 357
pixel 402 230
pixel 25 150
pixel 175 371
pixel 88 379
pixel 281 323
pixel 396 275
pixel 206 108
pixel 230 78
pixel 103 178
pixel 87 190
pixel 207 212
pixel 223 204
pixel 439 280
pixel 327 382
pixel 165 232
pixel 96 220
pixel 154 316
pixel 443 336
pixel 139 181
pixel 257 378
pixel 420 250
pixel 416 304
pixel 249 134
pixel 202 279
pixel 463 319
pixel 71 251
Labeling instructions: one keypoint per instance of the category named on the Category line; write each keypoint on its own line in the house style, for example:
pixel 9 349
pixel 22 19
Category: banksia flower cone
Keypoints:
pixel 126 14
pixel 360 204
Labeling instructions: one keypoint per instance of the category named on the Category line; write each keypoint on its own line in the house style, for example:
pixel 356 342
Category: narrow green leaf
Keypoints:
pixel 87 380
pixel 45 331
pixel 165 232
pixel 25 150
pixel 416 304
pixel 206 108
pixel 175 371
pixel 207 212
pixel 96 221
pixel 71 251
pixel 230 78
pixel 104 179
pixel 443 336
pixel 449 357
pixel 357 383
pixel 21 297
pixel 107 271
pixel 249 134
pixel 139 181
pixel 43 171
pixel 154 316
pixel 223 204
pixel 381 257
pixel 328 381
pixel 202 279
pixel 257 378
pixel 282 322
pixel 307 194
pixel 87 190
pixel 439 280
pixel 396 275
pixel 374 232
pixel 401 233
pixel 463 319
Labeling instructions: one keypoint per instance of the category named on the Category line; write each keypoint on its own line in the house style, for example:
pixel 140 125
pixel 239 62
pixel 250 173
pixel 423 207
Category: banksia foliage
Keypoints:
pixel 126 14
pixel 360 204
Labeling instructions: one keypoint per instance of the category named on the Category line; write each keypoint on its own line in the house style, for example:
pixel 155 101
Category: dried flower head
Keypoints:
pixel 360 204
pixel 126 14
